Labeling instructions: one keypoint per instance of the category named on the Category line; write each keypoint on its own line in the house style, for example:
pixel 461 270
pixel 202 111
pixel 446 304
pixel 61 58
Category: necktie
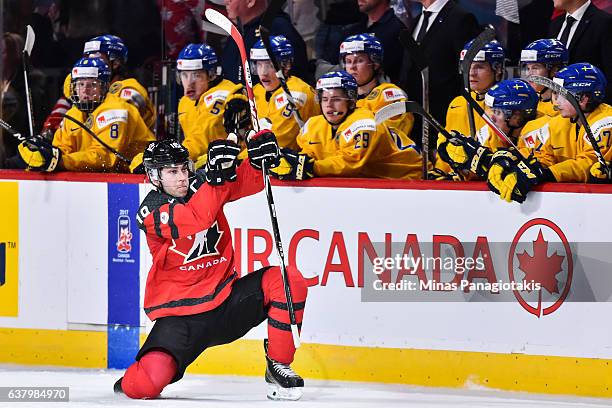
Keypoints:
pixel 424 24
pixel 569 22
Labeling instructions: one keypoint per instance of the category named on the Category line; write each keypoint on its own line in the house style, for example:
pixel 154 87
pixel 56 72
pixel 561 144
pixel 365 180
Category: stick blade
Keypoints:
pixel 219 20
pixel 29 42
pixel 296 336
pixel 389 111
pixel 547 82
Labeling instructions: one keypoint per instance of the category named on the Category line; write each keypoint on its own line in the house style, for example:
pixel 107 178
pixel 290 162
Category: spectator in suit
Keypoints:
pixel 380 20
pixel 441 30
pixel 587 32
pixel 250 13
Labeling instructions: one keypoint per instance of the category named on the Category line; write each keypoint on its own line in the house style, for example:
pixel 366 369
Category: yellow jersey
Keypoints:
pixel 457 119
pixel 547 108
pixel 383 95
pixel 129 90
pixel 568 153
pixel 117 123
pixel 202 120
pixel 275 108
pixel 132 91
pixel 358 148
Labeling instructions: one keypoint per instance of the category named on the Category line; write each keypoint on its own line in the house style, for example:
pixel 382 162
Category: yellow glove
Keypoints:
pixel 136 166
pixel 464 153
pixel 503 185
pixel 598 174
pixel 38 154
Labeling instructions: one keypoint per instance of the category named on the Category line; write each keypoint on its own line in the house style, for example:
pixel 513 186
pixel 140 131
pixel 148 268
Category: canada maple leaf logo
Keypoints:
pixel 540 267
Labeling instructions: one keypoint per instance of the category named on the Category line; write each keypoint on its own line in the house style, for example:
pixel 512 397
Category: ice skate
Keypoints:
pixel 117 387
pixel 283 382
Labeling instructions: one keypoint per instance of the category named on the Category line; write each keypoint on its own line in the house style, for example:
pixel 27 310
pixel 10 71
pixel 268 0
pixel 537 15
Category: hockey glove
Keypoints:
pixel 512 178
pixel 439 175
pixel 38 154
pixel 221 164
pixel 263 146
pixel 136 166
pixel 237 117
pixel 464 153
pixel 294 166
pixel 598 175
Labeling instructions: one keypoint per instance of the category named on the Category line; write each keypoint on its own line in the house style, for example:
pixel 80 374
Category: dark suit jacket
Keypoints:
pixel 230 58
pixel 592 41
pixel 387 30
pixel 441 46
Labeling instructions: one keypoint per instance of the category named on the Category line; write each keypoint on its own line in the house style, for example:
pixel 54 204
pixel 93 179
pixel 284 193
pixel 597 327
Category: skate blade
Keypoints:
pixel 278 393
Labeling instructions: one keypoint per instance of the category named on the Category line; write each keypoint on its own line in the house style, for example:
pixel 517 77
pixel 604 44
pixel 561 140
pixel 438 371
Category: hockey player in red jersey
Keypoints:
pixel 193 293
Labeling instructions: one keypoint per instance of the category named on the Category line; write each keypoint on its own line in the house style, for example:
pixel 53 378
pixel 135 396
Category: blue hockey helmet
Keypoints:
pixel 512 95
pixel 366 43
pixel 199 57
pixel 89 68
pixel 545 51
pixel 108 44
pixel 492 52
pixel 335 80
pixel 583 79
pixel 281 48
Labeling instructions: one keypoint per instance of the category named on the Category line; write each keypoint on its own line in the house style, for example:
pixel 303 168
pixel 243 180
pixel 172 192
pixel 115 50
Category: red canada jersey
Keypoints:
pixel 191 243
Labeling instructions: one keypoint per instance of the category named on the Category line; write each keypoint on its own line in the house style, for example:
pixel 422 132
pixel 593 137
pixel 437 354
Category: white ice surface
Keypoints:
pixel 93 388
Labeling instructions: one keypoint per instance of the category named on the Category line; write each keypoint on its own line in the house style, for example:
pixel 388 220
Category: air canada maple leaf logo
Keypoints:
pixel 547 261
pixel 540 267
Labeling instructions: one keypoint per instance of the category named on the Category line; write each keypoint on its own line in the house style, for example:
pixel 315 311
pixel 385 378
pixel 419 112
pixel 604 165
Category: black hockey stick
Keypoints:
pixel 12 131
pixel 27 51
pixel 264 33
pixel 219 19
pixel 85 128
pixel 502 135
pixel 416 54
pixel 479 42
pixel 555 87
pixel 398 108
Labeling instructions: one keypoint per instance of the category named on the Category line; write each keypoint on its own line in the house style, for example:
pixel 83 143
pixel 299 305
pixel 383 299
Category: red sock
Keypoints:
pixel 280 341
pixel 147 377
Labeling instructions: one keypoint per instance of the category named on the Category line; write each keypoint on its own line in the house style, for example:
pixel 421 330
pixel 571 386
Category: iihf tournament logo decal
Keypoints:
pixel 541 253
pixel 124 233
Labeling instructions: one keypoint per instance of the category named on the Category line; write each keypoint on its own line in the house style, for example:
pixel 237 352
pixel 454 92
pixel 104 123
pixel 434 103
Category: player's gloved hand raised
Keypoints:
pixel 237 116
pixel 221 164
pixel 464 153
pixel 512 177
pixel 598 175
pixel 38 154
pixel 294 166
pixel 263 146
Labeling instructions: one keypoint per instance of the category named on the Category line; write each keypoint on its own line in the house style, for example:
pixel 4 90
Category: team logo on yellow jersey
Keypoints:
pixel 114 88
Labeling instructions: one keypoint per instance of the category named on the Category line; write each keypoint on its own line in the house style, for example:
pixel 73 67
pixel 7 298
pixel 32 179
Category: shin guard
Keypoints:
pixel 147 377
pixel 281 346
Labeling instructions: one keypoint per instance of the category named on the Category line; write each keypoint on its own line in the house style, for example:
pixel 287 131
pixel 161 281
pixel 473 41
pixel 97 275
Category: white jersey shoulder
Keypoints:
pixel 110 116
pixel 282 100
pixel 393 94
pixel 542 134
pixel 218 95
pixel 599 126
pixel 358 126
